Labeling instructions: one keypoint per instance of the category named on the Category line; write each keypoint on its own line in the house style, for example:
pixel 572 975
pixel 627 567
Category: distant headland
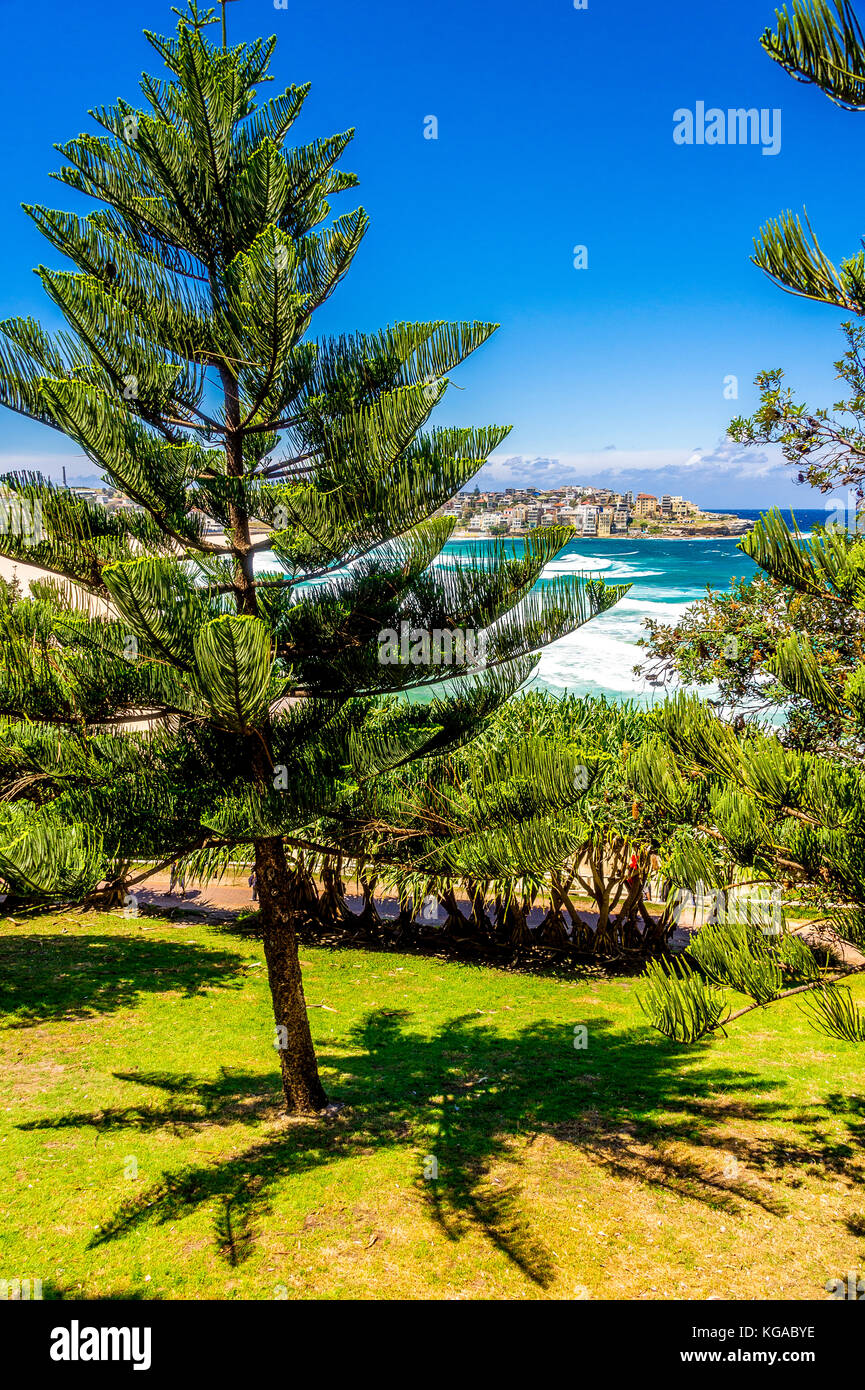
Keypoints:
pixel 594 512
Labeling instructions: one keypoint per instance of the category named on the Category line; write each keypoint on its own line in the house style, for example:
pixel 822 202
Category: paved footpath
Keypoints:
pixel 229 895
pixel 232 895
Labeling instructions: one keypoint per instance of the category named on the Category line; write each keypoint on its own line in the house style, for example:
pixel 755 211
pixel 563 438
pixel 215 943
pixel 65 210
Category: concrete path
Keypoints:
pixel 232 895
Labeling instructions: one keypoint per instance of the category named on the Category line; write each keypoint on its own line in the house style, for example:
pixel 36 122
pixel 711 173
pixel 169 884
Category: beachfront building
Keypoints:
pixel 516 517
pixel 585 519
pixel 673 508
pixel 646 504
pixel 592 511
pixel 107 497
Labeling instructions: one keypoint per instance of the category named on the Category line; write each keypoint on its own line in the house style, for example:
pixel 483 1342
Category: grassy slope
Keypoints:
pixel 630 1169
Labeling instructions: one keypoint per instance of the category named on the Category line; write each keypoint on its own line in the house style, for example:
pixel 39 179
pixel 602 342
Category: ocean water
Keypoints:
pixel 666 577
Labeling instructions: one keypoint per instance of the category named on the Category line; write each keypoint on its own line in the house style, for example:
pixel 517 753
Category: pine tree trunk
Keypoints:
pixel 304 1093
pixel 455 924
pixel 477 897
pixel 552 931
pixel 517 924
pixel 335 910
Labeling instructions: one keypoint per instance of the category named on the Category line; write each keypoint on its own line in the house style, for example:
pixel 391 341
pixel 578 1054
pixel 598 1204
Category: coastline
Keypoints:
pixel 725 534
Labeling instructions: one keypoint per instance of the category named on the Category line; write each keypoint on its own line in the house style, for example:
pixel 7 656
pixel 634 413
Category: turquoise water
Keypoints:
pixel 666 576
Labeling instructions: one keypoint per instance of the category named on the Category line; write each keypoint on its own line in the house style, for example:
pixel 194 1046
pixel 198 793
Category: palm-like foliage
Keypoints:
pixel 774 814
pixel 822 43
pixel 212 657
pixel 562 769
pixel 778 812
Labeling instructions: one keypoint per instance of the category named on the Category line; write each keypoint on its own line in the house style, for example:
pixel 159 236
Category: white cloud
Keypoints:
pixel 730 475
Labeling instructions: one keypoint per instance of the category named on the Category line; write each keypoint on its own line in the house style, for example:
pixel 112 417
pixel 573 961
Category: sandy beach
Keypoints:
pixel 26 573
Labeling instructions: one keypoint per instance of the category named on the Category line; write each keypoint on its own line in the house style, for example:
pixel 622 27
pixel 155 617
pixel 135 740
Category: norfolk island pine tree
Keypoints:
pixel 188 377
pixel 779 812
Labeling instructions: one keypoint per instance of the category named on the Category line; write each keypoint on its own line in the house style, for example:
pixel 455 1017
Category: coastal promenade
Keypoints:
pixel 232 896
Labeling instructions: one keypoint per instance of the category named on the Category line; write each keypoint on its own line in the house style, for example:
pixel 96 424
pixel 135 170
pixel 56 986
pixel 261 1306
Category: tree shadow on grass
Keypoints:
pixel 855 1223
pixel 61 1293
pixel 852 1110
pixel 189 1103
pixel 475 1100
pixel 72 977
pixel 535 959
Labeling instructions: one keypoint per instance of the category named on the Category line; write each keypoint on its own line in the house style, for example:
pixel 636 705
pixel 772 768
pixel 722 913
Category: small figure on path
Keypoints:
pixel 253 883
pixel 178 879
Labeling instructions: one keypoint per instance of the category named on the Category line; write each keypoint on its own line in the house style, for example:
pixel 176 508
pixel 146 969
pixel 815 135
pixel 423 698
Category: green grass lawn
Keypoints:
pixel 144 1154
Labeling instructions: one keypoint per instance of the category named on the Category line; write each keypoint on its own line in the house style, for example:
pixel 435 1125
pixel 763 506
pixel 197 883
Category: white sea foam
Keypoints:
pixel 611 571
pixel 601 655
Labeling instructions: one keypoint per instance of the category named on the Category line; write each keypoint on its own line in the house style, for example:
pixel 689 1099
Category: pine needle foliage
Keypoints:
pixel 679 1003
pixel 783 813
pixel 208 659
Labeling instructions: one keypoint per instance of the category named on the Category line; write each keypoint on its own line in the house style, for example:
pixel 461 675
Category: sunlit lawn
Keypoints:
pixel 144 1154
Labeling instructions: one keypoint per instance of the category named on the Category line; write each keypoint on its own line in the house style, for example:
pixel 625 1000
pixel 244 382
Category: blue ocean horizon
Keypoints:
pixel 666 575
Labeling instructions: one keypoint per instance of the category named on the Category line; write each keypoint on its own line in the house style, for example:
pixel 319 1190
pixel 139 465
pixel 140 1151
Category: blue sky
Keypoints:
pixel 555 129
